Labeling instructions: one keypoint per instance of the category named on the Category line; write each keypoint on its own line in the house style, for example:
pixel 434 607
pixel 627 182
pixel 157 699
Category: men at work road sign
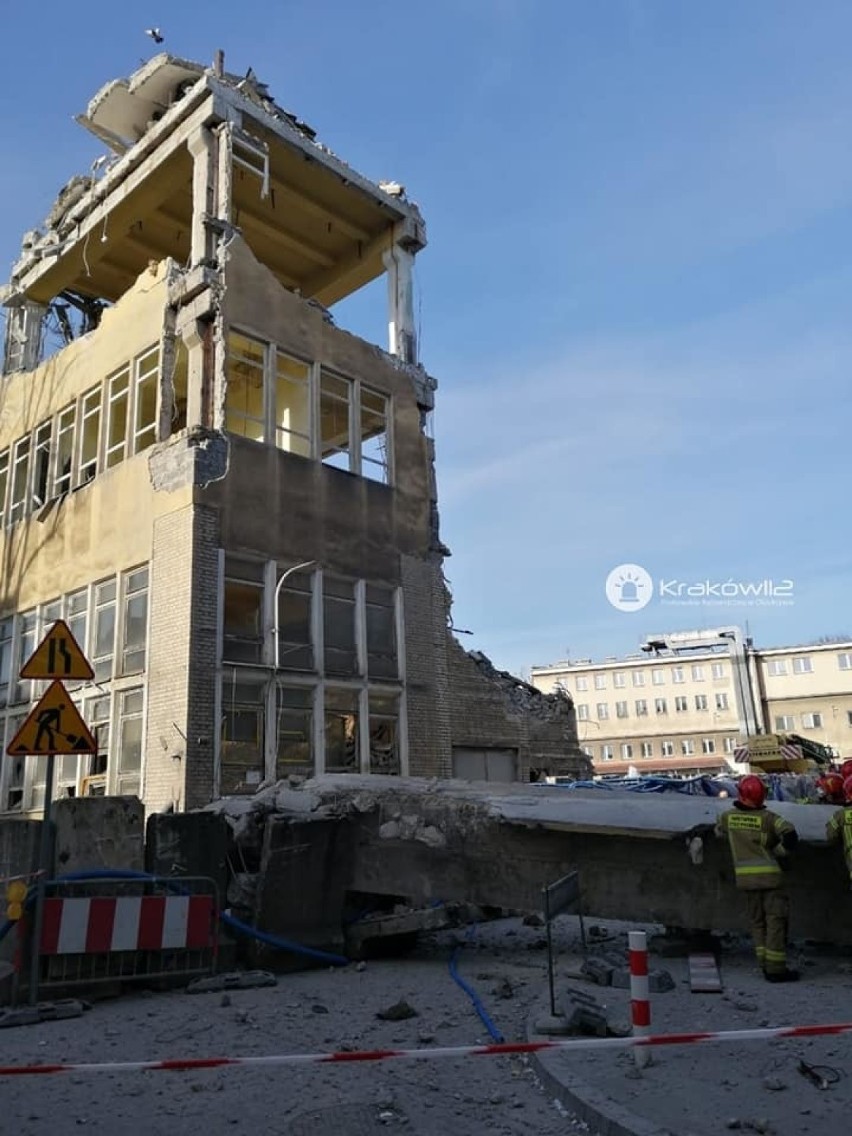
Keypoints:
pixel 53 726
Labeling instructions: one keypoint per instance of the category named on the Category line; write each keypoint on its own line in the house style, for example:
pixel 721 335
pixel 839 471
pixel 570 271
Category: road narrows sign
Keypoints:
pixel 58 656
pixel 53 726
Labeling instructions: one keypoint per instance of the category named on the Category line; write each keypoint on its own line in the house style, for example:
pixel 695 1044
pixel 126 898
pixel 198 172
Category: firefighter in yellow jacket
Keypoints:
pixel 839 827
pixel 760 842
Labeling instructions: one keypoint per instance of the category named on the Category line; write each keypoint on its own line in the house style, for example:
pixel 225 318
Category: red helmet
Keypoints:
pixel 831 787
pixel 846 768
pixel 752 792
pixel 847 790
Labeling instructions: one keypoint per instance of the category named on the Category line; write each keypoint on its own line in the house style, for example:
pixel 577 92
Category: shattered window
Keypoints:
pixel 375 460
pixel 20 474
pixel 242 734
pixel 244 402
pixel 294 728
pixel 243 640
pixel 335 409
pixel 341 732
pixel 4 481
pixel 97 718
pixel 180 388
pixel 292 406
pixel 64 450
pixel 384 734
pixel 341 656
pixel 147 369
pixel 118 399
pixel 41 464
pixel 295 647
pixel 381 632
pixel 90 425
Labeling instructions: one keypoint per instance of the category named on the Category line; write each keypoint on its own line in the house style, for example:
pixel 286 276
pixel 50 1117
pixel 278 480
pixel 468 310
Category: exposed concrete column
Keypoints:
pixel 197 335
pixel 402 336
pixel 203 146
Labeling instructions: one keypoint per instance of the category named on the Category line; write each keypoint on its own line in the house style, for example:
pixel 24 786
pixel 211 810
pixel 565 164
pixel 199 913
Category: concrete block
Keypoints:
pixel 583 1014
pixel 188 844
pixel 597 971
pixel 98 833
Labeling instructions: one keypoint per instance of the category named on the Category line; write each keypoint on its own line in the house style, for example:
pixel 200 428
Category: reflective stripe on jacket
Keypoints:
pixel 839 828
pixel 754 837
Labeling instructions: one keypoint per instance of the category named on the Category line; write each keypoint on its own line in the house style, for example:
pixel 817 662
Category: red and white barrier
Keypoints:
pixel 640 1003
pixel 127 923
pixel 503 1050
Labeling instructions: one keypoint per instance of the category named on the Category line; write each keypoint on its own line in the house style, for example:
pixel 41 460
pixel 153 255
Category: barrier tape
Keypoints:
pixel 359 1055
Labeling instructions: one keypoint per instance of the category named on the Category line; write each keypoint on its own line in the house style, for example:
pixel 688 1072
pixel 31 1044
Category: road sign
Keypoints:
pixel 58 656
pixel 53 727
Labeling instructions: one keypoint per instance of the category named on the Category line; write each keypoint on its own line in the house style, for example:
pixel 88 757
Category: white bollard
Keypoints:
pixel 640 1006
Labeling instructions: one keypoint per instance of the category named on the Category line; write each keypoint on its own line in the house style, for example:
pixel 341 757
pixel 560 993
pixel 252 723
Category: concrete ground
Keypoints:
pixel 690 1091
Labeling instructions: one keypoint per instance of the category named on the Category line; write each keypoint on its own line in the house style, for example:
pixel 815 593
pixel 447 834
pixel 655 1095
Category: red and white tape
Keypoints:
pixel 503 1050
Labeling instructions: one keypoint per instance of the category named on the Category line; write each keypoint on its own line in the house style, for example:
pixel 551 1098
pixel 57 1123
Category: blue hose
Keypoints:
pixel 474 997
pixel 229 920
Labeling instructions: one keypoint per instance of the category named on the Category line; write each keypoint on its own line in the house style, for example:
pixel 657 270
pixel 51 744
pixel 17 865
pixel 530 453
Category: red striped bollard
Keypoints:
pixel 640 1006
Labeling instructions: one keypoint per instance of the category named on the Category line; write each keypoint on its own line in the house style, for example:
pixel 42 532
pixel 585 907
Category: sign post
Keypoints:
pixel 53 727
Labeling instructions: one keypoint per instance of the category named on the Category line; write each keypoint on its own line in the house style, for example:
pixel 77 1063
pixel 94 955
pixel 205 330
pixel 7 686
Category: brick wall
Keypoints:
pixel 425 603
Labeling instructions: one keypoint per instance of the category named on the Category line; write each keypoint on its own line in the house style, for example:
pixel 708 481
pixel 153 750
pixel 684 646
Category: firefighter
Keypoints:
pixel 761 842
pixel 829 789
pixel 839 827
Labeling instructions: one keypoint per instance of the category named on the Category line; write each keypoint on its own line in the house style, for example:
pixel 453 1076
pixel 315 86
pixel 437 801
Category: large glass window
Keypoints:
pixel 41 464
pixel 135 621
pixel 243 615
pixel 130 729
pixel 64 450
pixel 118 402
pixel 341 656
pixel 335 414
pixel 4 483
pixel 375 451
pixel 292 406
pixel 27 643
pixel 341 731
pixel 295 650
pixel 244 402
pixel 147 371
pixel 384 733
pixel 294 724
pixel 103 632
pixel 382 659
pixel 242 758
pixel 90 427
pixel 97 718
pixel 20 473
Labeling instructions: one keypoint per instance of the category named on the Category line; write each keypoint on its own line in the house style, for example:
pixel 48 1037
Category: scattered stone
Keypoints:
pixel 504 989
pixel 235 980
pixel 398 1012
pixel 733 1123
pixel 318 1008
pixel 361 967
pixel 533 920
pixel 774 1084
pixel 746 1007
pixel 597 971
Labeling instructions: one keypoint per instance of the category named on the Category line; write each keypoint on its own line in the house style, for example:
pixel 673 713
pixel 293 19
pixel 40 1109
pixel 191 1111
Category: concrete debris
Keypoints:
pixel 584 1015
pixel 43 1012
pixel 659 981
pixel 597 971
pixel 234 980
pixel 533 920
pixel 522 697
pixel 398 1012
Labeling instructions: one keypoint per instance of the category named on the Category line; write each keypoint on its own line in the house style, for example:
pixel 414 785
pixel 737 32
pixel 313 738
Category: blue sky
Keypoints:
pixel 636 295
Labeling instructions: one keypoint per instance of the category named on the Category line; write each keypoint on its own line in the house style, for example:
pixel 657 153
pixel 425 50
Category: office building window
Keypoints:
pixel 130 730
pixel 103 635
pixel 375 447
pixel 295 607
pixel 667 749
pixel 638 678
pixel 342 748
pixel 687 747
pixel 708 745
pixel 582 712
pixel 4 483
pixel 19 477
pixel 647 749
pixel 660 706
pixel 812 721
pixel 678 674
pixel 382 659
pixel 135 621
pixel 784 722
pixel 844 661
pixel 118 401
pixel 90 429
pixel 602 711
pixel 244 402
pixel 294 731
pixel 582 682
pixel 698 673
pixel 621 709
pixel 717 670
pixel 803 664
pixel 6 642
pixel 242 736
pixel 681 703
pixel 776 667
pixel 641 707
pixel 341 655
pixel 600 682
pixel 243 611
pixel 626 751
pixel 146 372
pixel 384 733
pixel 721 700
pixel 701 702
pixel 730 745
pixel 658 677
pixel 606 752
pixel 619 679
pixel 292 406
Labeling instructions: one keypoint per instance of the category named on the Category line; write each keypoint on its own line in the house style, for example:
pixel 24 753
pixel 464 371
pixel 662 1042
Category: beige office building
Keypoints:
pixel 684 702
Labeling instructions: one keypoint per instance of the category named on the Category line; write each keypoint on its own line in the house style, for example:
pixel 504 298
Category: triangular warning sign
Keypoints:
pixel 54 726
pixel 58 656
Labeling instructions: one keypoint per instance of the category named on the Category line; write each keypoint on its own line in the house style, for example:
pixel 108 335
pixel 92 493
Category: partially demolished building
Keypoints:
pixel 231 501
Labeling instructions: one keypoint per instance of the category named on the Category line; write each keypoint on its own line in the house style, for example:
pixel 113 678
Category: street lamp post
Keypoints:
pixel 278 586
